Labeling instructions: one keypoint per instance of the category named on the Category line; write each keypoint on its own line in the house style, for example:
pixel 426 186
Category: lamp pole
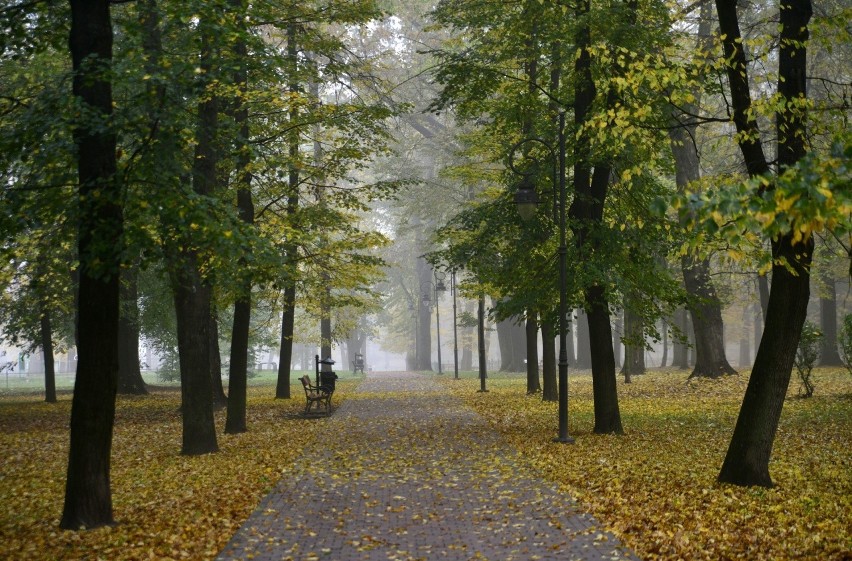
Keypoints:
pixel 483 374
pixel 439 286
pixel 526 198
pixel 455 326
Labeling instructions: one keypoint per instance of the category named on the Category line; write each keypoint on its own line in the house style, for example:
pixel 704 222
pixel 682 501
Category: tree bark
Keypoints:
pixel 829 356
pixel 745 343
pixel 706 312
pixel 285 354
pixel 220 400
pixel 424 317
pixel 47 351
pixel 550 390
pixel 584 353
pixel 680 352
pixel 586 213
pixel 634 346
pixel 704 304
pixel 130 380
pixel 192 307
pixel 192 292
pixel 288 315
pixel 88 499
pixel 235 421
pixel 747 458
pixel 468 335
pixel 617 332
pixel 533 385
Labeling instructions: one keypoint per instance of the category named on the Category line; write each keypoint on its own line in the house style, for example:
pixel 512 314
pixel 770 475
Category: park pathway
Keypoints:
pixel 406 472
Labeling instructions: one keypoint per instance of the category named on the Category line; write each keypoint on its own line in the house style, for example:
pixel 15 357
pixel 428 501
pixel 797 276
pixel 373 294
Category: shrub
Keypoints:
pixel 806 356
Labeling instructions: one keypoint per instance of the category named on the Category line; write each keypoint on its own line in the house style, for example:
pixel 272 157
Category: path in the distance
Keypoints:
pixel 406 472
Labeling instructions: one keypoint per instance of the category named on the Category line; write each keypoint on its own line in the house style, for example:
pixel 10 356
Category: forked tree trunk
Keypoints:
pixel 88 499
pixel 747 458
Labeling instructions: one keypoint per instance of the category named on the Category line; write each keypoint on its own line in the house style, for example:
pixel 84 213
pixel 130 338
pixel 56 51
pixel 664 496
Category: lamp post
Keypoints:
pixel 526 200
pixel 455 326
pixel 437 286
pixel 480 332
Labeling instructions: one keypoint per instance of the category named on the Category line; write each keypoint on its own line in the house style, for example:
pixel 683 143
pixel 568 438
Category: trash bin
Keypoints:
pixel 327 381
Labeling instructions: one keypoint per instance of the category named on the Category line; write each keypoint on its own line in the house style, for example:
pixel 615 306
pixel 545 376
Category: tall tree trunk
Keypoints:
pixel 829 356
pixel 192 292
pixel 468 337
pixel 533 385
pixel 680 353
pixel 586 214
pixel 617 332
pixel 129 372
pixel 745 343
pixel 550 389
pixel 47 350
pixel 607 414
pixel 507 347
pixel 584 353
pixel 238 370
pixel 634 346
pixel 288 315
pixel 285 354
pixel 704 304
pixel 747 458
pixel 706 313
pixel 664 329
pixel 220 400
pixel 88 499
pixel 192 301
pixel 424 317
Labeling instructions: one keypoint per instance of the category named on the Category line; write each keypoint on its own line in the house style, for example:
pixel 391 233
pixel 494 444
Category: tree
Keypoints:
pixel 238 373
pixel 88 499
pixel 747 459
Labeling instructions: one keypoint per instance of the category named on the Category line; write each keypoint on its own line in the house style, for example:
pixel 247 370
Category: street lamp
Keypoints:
pixel 437 286
pixel 526 199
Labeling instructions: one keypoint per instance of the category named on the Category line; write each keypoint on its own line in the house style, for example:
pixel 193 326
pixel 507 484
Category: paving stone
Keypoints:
pixel 419 476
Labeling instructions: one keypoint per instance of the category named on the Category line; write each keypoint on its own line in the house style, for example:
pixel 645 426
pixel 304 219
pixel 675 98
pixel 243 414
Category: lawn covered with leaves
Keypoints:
pixel 167 506
pixel 655 486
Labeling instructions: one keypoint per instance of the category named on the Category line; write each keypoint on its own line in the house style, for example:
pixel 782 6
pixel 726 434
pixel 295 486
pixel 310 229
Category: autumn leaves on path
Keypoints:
pixel 404 471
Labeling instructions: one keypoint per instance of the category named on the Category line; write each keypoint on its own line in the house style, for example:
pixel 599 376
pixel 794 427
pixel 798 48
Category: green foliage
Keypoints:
pixel 813 197
pixel 844 339
pixel 806 356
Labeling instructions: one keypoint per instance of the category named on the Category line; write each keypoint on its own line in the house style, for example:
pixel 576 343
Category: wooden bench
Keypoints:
pixel 315 395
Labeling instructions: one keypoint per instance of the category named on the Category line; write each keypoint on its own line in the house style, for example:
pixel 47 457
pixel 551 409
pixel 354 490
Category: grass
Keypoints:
pixel 656 485
pixel 167 506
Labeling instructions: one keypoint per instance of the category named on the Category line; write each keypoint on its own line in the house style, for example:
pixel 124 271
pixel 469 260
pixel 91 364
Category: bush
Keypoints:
pixel 806 356
pixel 845 340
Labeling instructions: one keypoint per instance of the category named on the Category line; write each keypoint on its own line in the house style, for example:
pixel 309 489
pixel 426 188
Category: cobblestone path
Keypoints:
pixel 409 473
